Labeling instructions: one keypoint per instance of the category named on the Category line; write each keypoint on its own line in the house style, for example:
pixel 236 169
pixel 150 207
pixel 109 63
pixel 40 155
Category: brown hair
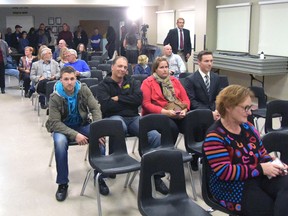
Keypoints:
pixel 157 62
pixel 202 53
pixel 230 97
pixel 67 69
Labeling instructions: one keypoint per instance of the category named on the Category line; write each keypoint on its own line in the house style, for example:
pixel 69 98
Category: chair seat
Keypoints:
pixel 259 113
pixel 115 164
pixel 183 207
pixel 195 148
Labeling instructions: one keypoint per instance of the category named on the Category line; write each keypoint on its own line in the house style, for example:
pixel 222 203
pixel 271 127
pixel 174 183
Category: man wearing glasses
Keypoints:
pixel 68 121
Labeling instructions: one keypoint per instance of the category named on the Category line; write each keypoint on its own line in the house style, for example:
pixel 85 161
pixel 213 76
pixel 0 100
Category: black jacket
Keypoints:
pixel 130 97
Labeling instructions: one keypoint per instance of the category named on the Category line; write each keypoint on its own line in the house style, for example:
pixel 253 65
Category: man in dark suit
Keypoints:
pixel 200 96
pixel 179 40
pixel 202 88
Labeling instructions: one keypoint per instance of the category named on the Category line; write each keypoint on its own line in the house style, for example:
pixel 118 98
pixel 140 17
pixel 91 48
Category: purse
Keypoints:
pixel 175 105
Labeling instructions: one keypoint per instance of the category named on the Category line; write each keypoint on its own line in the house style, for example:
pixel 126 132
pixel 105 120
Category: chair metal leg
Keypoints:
pixel 134 145
pixel 86 181
pixel 192 182
pixel 179 138
pixel 200 170
pixel 127 179
pixel 98 194
pixel 132 179
pixel 52 155
pixel 86 154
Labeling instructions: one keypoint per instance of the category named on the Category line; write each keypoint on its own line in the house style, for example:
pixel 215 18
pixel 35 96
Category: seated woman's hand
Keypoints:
pixel 270 169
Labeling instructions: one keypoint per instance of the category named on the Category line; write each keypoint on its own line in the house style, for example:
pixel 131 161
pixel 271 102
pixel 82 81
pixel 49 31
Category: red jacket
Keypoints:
pixel 153 99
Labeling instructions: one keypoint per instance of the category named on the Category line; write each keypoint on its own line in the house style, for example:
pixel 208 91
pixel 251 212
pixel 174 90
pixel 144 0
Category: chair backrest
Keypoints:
pixel 104 67
pixel 50 88
pixel 130 69
pixel 89 81
pixel 277 141
pixel 93 89
pixel 196 125
pixel 157 122
pixel 260 95
pixel 184 75
pixel 139 77
pixel 97 58
pixel 107 128
pixel 93 64
pixel 223 81
pixel 97 74
pixel 157 161
pixel 206 193
pixel 277 108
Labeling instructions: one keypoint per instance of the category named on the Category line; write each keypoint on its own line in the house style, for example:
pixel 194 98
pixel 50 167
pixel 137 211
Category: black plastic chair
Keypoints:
pixel 89 81
pixel 277 142
pixel 184 75
pixel 104 67
pixel 97 74
pixel 196 125
pixel 260 112
pixel 96 58
pixel 118 162
pixel 223 81
pixel 93 89
pixel 93 64
pixel 177 201
pixel 160 123
pixel 139 77
pixel 279 109
pixel 206 193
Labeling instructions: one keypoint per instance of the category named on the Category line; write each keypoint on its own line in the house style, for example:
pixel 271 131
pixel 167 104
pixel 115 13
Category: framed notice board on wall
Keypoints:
pixel 233 27
pixel 165 22
pixel 25 21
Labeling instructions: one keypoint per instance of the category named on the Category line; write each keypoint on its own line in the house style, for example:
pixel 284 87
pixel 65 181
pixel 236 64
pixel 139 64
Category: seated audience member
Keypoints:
pixel 165 94
pixel 56 53
pixel 68 121
pixel 81 67
pixel 142 67
pixel 203 85
pixel 119 97
pixel 42 71
pixel 176 64
pixel 243 179
pixel 82 53
pixel 11 66
pixel 52 42
pixel 24 67
pixel 63 57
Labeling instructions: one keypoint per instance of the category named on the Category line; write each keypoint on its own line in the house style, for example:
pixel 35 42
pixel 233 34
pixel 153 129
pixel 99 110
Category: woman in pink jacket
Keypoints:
pixel 165 94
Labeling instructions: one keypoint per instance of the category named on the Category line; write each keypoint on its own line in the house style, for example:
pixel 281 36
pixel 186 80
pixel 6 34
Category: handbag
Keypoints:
pixel 175 105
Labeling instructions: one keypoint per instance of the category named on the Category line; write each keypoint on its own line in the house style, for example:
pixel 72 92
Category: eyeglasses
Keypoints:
pixel 246 108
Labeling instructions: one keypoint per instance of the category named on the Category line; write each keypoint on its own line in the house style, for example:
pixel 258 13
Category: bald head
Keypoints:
pixel 167 50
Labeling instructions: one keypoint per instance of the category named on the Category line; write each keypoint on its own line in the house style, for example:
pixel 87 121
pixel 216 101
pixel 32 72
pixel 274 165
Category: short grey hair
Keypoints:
pixel 73 52
pixel 44 51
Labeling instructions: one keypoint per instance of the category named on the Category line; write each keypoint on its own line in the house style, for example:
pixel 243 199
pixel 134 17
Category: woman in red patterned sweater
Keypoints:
pixel 243 178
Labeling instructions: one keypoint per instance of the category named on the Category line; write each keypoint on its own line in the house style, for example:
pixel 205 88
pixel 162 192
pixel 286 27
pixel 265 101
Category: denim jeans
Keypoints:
pixel 131 127
pixel 61 153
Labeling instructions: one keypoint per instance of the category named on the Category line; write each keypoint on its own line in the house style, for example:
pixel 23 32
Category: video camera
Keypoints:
pixel 144 27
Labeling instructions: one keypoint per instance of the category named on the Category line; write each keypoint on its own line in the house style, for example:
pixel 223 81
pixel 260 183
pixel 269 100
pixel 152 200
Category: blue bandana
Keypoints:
pixel 73 118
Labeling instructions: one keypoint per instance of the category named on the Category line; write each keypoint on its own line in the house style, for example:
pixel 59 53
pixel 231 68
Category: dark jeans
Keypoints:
pixel 176 126
pixel 26 81
pixel 266 197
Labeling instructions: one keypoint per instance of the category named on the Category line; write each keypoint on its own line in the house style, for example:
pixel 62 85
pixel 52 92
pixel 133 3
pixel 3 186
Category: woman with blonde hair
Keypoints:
pixel 142 67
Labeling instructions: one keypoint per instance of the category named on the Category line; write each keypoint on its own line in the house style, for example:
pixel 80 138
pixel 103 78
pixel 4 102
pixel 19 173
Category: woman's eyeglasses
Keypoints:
pixel 246 108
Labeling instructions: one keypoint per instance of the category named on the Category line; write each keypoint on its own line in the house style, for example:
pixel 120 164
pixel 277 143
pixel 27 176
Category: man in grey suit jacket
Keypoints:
pixel 173 38
pixel 200 97
pixel 42 71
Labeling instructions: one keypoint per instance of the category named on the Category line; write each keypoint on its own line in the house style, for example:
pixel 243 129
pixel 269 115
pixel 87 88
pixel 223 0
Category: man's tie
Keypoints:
pixel 181 40
pixel 207 83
